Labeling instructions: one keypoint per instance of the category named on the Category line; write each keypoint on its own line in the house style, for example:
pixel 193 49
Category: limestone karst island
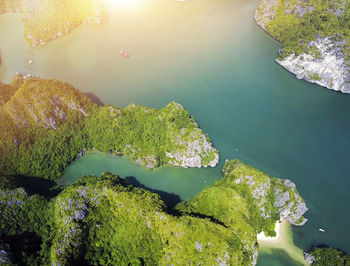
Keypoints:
pixel 198 132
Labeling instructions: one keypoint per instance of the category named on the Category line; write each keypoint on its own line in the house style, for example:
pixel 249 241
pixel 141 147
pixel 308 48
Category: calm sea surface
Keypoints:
pixel 210 57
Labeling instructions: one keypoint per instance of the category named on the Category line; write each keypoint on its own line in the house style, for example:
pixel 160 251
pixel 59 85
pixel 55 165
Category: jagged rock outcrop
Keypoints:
pixel 287 202
pixel 324 65
pixel 320 54
pixel 110 215
pixel 248 201
pixel 152 137
pixel 47 124
pixel 309 258
pixel 265 12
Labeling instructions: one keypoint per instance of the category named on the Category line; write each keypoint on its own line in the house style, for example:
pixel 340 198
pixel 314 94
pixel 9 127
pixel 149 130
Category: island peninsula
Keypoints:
pixel 315 36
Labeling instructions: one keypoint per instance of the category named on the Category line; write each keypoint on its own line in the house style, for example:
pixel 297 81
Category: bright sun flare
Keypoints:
pixel 123 3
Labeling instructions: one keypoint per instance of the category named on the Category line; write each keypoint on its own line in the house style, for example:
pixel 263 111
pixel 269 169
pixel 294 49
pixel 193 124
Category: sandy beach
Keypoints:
pixel 283 240
pixel 271 239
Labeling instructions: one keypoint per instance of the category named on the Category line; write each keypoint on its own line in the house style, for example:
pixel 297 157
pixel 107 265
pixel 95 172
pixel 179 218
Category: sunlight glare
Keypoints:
pixel 123 3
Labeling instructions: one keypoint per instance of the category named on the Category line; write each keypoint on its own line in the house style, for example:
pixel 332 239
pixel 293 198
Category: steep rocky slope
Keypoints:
pixel 315 36
pixel 47 123
pixel 106 221
pixel 248 202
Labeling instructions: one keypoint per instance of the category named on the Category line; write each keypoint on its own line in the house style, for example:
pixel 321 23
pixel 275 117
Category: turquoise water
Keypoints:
pixel 212 58
pixel 276 258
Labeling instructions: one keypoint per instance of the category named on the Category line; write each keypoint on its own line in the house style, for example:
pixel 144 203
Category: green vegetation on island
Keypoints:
pixel 315 36
pixel 46 124
pixel 295 22
pixel 325 256
pixel 248 202
pixel 45 20
pixel 106 221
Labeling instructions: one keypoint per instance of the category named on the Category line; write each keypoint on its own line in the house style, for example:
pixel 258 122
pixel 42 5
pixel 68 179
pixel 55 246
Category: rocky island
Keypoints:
pixel 46 124
pixel 46 20
pixel 106 220
pixel 315 36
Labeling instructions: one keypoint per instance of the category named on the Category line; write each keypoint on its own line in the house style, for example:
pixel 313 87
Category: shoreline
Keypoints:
pixel 283 241
pixel 272 239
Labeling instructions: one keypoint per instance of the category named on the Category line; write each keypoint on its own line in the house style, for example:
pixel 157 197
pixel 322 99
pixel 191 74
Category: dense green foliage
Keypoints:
pixel 295 28
pixel 325 256
pixel 42 128
pixel 45 20
pixel 243 200
pixel 120 130
pixel 47 123
pixel 106 221
pixel 26 222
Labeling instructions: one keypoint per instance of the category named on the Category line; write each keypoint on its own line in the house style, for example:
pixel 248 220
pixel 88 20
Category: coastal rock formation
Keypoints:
pixel 152 137
pixel 248 202
pixel 265 12
pixel 47 124
pixel 287 203
pixel 325 255
pixel 106 221
pixel 193 147
pixel 324 64
pixel 59 18
pixel 45 103
pixel 320 54
pixel 309 258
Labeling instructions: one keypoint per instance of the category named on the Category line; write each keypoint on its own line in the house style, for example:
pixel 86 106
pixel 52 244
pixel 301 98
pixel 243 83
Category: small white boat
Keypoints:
pixel 29 62
pixel 321 230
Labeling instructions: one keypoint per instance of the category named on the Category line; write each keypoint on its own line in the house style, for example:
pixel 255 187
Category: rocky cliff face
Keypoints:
pixel 106 221
pixel 47 123
pixel 265 12
pixel 267 191
pixel 324 64
pixel 46 103
pixel 152 137
pixel 187 146
pixel 248 201
pixel 314 36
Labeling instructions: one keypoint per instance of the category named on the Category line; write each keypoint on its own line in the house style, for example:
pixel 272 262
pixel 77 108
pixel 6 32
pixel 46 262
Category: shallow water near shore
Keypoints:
pixel 212 58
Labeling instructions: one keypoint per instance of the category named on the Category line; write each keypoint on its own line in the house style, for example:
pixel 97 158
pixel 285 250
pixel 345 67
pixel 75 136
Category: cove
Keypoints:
pixel 212 58
pixel 173 184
